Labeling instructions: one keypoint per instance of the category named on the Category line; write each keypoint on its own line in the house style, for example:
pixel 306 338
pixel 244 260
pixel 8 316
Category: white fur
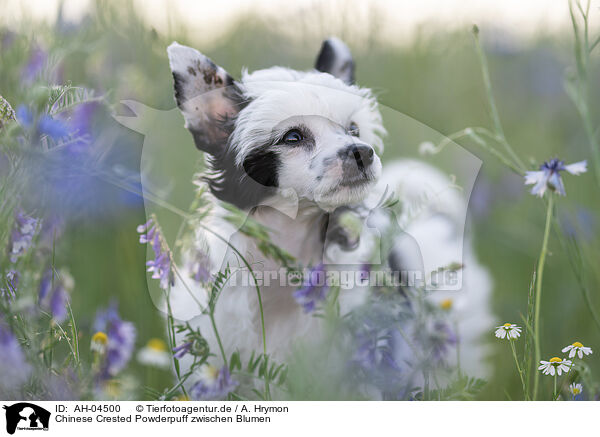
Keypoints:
pixel 433 216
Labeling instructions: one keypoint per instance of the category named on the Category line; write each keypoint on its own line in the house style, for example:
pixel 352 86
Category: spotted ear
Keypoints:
pixel 207 96
pixel 336 59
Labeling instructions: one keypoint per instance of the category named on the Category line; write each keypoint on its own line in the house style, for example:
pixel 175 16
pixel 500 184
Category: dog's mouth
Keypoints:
pixel 363 178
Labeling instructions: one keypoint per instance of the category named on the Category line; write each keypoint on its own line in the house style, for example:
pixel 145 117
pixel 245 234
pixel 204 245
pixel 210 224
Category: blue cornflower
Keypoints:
pixel 121 340
pixel 54 293
pixel 46 125
pixel 213 384
pixel 24 229
pixel 161 265
pixel 314 289
pixel 548 176
pixel 14 369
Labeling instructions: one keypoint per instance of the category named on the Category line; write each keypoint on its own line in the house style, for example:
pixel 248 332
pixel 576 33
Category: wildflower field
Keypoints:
pixel 88 252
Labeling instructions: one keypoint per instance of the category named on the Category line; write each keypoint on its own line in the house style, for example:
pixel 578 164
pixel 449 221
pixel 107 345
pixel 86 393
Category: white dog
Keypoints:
pixel 293 148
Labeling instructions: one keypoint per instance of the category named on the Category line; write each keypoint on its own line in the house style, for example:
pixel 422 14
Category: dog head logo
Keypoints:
pixel 26 416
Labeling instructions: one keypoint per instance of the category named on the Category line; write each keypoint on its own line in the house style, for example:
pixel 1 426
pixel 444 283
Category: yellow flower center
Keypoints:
pixel 556 360
pixel 576 391
pixel 446 304
pixel 157 344
pixel 100 338
pixel 507 325
pixel 577 344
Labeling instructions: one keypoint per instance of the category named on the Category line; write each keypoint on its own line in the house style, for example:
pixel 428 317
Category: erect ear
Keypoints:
pixel 207 96
pixel 335 58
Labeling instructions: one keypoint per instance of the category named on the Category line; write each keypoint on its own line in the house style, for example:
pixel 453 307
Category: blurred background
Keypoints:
pixel 420 59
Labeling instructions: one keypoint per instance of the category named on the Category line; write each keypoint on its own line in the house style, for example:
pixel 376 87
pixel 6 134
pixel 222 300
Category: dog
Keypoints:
pixel 294 150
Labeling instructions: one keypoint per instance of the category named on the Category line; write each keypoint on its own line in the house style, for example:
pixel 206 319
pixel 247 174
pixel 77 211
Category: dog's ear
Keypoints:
pixel 206 95
pixel 335 58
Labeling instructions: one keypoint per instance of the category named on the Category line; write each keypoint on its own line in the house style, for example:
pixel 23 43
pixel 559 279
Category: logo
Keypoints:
pixel 26 416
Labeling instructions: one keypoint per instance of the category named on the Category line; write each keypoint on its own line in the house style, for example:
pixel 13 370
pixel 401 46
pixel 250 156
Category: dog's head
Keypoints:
pixel 312 132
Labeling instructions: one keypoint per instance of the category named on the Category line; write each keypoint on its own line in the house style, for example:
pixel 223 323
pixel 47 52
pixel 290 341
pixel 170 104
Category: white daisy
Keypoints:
pixel 577 348
pixel 575 389
pixel 555 365
pixel 155 354
pixel 99 342
pixel 508 331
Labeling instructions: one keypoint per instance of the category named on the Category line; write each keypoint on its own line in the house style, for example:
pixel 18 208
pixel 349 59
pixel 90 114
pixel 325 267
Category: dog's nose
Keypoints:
pixel 360 153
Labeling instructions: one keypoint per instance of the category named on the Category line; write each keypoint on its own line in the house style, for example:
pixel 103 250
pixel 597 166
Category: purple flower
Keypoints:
pixel 46 125
pixel 375 349
pixel 200 266
pixel 183 349
pixel 12 282
pixel 548 177
pixel 56 129
pixel 314 290
pixel 440 339
pixel 160 266
pixel 24 229
pixel 214 384
pixel 35 64
pixel 14 369
pixel 58 304
pixel 121 340
pixel 54 293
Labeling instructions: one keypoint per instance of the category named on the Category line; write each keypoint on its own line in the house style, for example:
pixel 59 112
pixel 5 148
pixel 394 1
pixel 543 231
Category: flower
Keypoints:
pixel 155 354
pixel 161 264
pixel 314 290
pixel 508 331
pixel 182 349
pixel 24 229
pixel 213 383
pixel 7 113
pixel 446 304
pixel 99 342
pixel 549 176
pixel 440 339
pixel 54 293
pixel 374 349
pixel 577 348
pixel 121 340
pixel 12 282
pixel 575 389
pixel 14 369
pixel 200 266
pixel 555 365
pixel 35 64
pixel 56 129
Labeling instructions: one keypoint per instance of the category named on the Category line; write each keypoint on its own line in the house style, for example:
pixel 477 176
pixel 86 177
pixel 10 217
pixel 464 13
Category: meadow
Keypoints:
pixel 73 206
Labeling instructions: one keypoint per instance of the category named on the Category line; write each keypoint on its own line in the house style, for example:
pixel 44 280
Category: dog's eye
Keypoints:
pixel 353 129
pixel 292 137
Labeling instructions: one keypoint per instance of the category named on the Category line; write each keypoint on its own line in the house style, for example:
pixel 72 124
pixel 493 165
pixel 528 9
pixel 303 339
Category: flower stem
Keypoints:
pixel 514 352
pixel 492 102
pixel 538 291
pixel 554 396
pixel 211 314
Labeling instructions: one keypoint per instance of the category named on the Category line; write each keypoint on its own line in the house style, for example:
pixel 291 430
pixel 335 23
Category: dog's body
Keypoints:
pixel 292 148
